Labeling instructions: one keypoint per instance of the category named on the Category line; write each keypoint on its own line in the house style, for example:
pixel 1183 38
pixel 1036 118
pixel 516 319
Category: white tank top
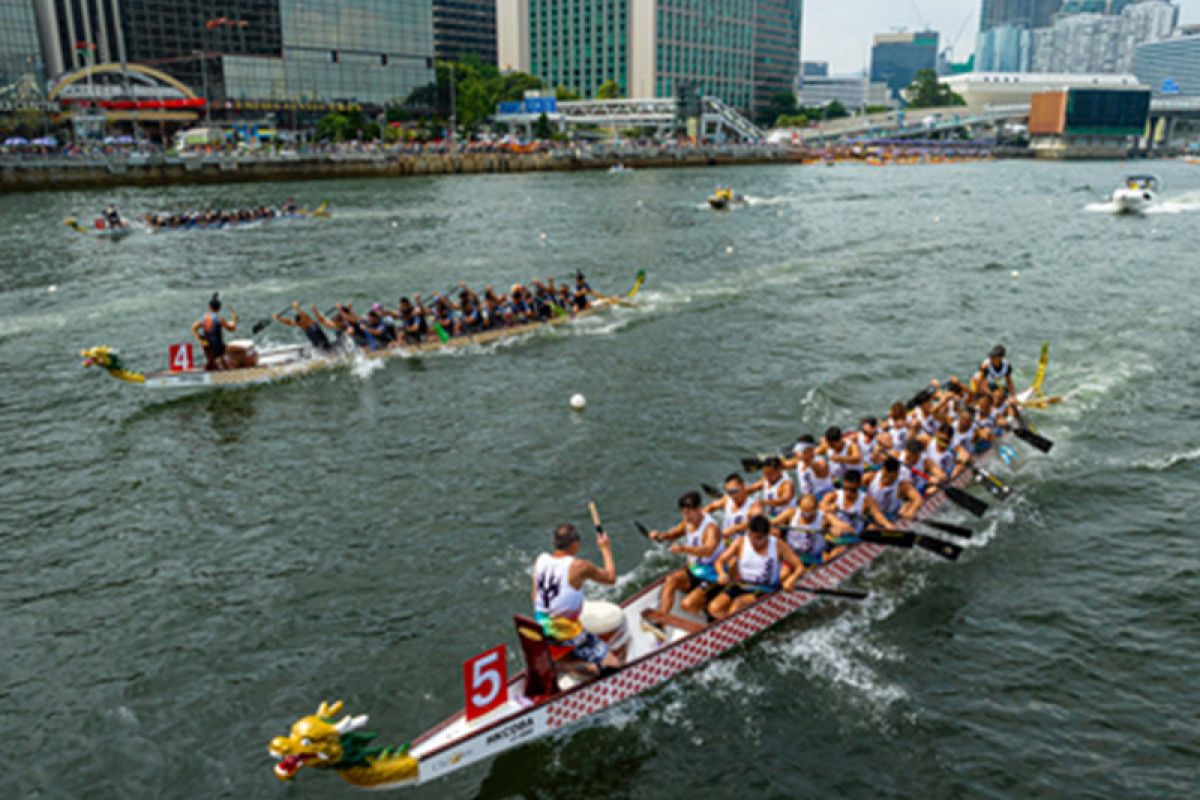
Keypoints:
pixel 865 447
pixel 772 491
pixel 733 514
pixel 899 437
pixel 696 539
pixel 994 375
pixel 928 423
pixel 887 497
pixel 799 532
pixel 964 440
pixel 811 483
pixel 944 460
pixel 852 516
pixel 837 469
pixel 762 570
pixel 555 595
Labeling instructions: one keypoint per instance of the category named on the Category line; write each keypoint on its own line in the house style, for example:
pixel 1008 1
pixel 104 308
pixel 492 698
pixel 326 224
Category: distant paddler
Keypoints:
pixel 752 567
pixel 702 545
pixel 994 373
pixel 310 326
pixel 558 580
pixel 209 331
pixel 776 490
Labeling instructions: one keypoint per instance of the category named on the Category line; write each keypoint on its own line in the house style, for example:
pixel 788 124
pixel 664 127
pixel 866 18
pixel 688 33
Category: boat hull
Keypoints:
pixel 1132 201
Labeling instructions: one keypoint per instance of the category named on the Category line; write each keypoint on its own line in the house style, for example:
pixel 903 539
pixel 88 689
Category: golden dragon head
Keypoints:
pixel 107 359
pixel 320 741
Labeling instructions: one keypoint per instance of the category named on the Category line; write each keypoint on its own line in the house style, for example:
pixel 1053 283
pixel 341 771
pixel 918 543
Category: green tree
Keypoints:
pixel 926 91
pixel 781 104
pixel 791 121
pixel 609 90
pixel 335 127
pixel 565 94
pixel 541 128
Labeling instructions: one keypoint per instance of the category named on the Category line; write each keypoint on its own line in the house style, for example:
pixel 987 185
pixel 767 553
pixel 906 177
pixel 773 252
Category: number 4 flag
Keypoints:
pixel 179 356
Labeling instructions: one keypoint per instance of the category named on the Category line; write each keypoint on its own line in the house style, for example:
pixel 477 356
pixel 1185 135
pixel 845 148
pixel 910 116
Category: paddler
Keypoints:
pixel 804 529
pixel 702 545
pixel 776 490
pixel 850 510
pixel 311 328
pixel 112 217
pixel 752 567
pixel 290 207
pixel 893 492
pixel 941 452
pixel 812 473
pixel 208 330
pixel 841 451
pixel 412 322
pixel 736 507
pixel 558 580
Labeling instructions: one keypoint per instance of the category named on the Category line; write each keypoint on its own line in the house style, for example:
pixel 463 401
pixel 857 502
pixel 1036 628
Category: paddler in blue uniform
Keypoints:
pixel 558 580
pixel 209 331
pixel 412 322
pixel 702 545
pixel 310 327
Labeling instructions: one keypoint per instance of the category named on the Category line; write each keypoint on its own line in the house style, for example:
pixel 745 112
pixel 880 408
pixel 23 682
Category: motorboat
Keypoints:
pixel 1136 195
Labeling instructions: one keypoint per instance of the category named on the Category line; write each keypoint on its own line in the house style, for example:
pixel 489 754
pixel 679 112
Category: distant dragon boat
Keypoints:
pixel 501 714
pixel 290 361
pixel 103 230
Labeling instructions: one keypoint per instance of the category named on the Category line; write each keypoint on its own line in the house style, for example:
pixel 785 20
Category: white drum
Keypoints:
pixel 606 620
pixel 241 354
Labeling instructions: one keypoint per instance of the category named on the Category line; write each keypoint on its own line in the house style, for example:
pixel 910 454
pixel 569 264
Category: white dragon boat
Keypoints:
pixel 501 714
pixel 291 361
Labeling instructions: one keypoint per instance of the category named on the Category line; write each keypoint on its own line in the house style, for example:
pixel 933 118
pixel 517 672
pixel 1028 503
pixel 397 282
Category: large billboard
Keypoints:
pixel 1107 112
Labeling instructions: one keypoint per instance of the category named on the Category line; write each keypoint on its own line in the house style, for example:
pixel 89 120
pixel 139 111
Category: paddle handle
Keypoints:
pixel 595 516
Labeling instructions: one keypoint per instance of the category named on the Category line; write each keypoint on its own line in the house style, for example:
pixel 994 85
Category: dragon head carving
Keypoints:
pixel 108 359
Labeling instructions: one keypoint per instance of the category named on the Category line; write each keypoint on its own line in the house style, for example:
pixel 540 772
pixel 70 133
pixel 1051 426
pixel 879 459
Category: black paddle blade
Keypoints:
pixel 711 491
pixel 946 550
pixel 642 529
pixel 258 326
pixel 946 527
pixel 752 464
pixel 1035 440
pixel 903 539
pixel 965 501
pixel 845 593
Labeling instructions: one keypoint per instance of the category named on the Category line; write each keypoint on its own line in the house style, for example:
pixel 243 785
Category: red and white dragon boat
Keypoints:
pixel 500 714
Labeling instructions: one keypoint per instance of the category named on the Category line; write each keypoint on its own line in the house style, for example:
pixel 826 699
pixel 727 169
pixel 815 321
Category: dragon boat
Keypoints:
pixel 299 215
pixel 501 714
pixel 290 361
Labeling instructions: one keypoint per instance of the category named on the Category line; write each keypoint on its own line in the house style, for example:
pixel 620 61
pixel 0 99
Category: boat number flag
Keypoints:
pixel 485 682
pixel 179 356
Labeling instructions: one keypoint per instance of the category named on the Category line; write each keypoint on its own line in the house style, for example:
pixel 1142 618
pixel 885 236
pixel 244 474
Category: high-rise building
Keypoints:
pixel 814 69
pixel 1017 13
pixel 896 58
pixel 365 51
pixel 1170 67
pixel 742 51
pixel 1101 43
pixel 854 92
pixel 1006 48
pixel 20 54
pixel 464 26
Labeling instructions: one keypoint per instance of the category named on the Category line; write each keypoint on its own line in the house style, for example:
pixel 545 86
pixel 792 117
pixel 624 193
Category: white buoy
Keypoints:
pixel 578 402
pixel 936 220
pixel 543 237
pixel 395 224
pixel 52 288
pixel 729 249
pixel 1016 274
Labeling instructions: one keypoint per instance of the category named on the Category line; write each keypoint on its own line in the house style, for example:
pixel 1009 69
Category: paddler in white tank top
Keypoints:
pixel 752 568
pixel 735 507
pixel 842 452
pixel 869 444
pixel 776 490
pixel 558 579
pixel 950 461
pixel 804 528
pixel 812 473
pixel 994 373
pixel 850 510
pixel 897 428
pixel 892 490
pixel 702 545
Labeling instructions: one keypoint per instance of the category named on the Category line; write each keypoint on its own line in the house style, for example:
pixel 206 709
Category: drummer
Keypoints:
pixel 209 331
pixel 558 580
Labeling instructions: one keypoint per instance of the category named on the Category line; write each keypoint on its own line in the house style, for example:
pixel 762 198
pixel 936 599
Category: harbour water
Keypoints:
pixel 181 579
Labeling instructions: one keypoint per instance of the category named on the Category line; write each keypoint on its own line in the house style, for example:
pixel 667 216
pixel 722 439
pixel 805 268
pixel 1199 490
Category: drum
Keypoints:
pixel 241 354
pixel 607 620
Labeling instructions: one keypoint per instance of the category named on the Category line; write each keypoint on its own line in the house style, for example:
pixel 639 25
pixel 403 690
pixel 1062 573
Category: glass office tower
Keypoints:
pixel 20 54
pixel 464 26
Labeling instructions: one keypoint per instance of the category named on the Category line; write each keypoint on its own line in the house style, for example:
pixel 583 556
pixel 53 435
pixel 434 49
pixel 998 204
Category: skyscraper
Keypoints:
pixel 464 26
pixel 1017 13
pixel 20 55
pixel 742 51
pixel 896 58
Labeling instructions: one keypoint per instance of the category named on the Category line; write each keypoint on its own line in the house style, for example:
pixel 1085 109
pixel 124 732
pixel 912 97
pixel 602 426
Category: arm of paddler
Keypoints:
pixel 669 535
pixel 231 323
pixel 788 556
pixel 727 559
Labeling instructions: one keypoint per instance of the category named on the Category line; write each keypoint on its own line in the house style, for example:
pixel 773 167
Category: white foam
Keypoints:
pixel 1163 463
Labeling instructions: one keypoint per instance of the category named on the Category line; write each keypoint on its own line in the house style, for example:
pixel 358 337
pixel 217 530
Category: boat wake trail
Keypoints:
pixel 1164 463
pixel 363 368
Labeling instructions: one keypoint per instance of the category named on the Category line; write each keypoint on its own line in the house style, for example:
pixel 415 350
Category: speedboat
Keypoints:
pixel 1136 195
pixel 723 199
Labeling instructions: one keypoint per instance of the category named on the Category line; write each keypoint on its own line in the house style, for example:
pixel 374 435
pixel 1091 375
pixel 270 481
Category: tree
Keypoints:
pixel 541 128
pixel 566 94
pixel 609 90
pixel 781 104
pixel 926 91
pixel 340 127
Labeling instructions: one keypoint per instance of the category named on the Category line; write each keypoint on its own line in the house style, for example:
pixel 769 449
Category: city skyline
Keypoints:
pixel 835 31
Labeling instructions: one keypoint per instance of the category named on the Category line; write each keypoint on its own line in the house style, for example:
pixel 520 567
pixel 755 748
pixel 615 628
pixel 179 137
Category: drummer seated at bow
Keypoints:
pixel 850 510
pixel 702 545
pixel 752 567
pixel 558 580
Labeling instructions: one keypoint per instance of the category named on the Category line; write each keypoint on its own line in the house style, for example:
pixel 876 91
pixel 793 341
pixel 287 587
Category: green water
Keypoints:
pixel 181 579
